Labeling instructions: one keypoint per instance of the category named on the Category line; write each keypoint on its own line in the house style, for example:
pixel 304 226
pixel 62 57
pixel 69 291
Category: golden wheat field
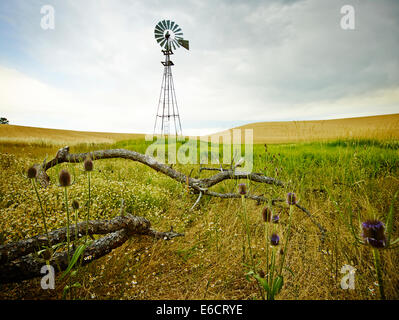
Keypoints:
pixel 376 127
pixel 344 172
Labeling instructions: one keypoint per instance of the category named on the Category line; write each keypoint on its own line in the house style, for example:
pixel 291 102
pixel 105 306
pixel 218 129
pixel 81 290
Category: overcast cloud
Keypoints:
pixel 100 69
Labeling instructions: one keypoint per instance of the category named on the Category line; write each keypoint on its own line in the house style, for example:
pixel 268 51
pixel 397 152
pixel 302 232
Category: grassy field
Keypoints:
pixel 32 135
pixel 331 179
pixel 375 127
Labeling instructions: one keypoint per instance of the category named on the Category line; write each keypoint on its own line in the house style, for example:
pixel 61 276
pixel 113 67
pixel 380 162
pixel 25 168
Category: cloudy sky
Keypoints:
pixel 99 69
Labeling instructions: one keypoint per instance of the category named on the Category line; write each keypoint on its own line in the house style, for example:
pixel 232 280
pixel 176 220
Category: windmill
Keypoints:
pixel 169 36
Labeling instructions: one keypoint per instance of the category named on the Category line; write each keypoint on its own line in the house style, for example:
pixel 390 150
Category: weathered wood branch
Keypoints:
pixel 63 155
pixel 18 262
pixel 13 250
pixel 198 186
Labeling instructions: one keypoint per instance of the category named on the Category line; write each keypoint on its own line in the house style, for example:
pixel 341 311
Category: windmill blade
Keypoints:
pixel 175 27
pixel 159 28
pixel 172 25
pixel 162 42
pixel 183 43
pixel 159 40
pixel 158 35
pixel 159 32
pixel 163 22
pixel 168 24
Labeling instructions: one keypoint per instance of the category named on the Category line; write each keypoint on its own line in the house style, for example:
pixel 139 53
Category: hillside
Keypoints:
pixel 13 133
pixel 375 127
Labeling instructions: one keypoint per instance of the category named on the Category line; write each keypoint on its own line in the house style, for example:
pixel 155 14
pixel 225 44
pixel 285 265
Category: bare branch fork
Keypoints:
pixel 197 186
pixel 17 261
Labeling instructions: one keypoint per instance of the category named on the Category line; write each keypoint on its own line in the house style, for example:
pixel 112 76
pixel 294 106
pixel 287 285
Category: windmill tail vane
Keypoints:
pixel 170 37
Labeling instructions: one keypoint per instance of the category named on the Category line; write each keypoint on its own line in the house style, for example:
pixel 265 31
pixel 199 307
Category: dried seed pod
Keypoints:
pixel 291 199
pixel 75 204
pixel 88 164
pixel 32 172
pixel 65 178
pixel 242 189
pixel 47 254
pixel 266 214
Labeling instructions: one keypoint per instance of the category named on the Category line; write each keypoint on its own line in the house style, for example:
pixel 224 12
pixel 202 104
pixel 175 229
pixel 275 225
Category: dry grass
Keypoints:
pixel 376 127
pixel 32 135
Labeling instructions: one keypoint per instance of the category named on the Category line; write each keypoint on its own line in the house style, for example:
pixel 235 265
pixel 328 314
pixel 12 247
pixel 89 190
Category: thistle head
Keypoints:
pixel 374 233
pixel 88 164
pixel 75 204
pixel 64 178
pixel 291 199
pixel 276 218
pixel 242 189
pixel 47 254
pixel 32 172
pixel 274 239
pixel 266 214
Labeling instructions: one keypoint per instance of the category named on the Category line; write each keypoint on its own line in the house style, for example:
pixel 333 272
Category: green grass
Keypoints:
pixel 331 179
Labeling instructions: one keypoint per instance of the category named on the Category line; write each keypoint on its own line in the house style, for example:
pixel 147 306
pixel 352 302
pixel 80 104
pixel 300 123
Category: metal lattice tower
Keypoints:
pixel 169 35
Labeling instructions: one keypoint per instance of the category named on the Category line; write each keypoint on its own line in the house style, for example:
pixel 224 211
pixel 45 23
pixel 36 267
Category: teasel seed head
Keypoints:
pixel 32 172
pixel 261 273
pixel 88 164
pixel 47 254
pixel 242 189
pixel 75 204
pixel 274 239
pixel 281 251
pixel 65 178
pixel 291 199
pixel 374 233
pixel 266 214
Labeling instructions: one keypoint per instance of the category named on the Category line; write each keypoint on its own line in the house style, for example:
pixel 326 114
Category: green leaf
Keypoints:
pixel 277 284
pixel 248 274
pixel 390 218
pixel 75 257
pixel 64 292
pixel 263 282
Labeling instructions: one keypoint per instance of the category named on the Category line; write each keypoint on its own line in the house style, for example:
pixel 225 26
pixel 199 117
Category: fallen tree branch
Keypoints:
pixel 198 186
pixel 13 250
pixel 18 263
pixel 63 155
